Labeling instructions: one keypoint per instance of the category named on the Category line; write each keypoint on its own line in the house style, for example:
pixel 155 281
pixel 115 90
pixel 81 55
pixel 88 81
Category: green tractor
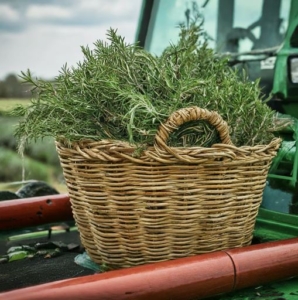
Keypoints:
pixel 260 36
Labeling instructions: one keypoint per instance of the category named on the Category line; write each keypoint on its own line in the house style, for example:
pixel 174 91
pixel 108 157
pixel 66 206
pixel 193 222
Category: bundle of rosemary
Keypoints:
pixel 121 92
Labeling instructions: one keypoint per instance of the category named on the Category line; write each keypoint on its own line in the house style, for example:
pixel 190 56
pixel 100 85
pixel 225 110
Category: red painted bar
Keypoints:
pixel 199 276
pixel 27 212
pixel 185 278
pixel 265 262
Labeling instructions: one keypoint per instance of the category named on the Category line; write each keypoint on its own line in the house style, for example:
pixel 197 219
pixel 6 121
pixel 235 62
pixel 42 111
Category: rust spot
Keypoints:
pixel 49 202
pixel 128 293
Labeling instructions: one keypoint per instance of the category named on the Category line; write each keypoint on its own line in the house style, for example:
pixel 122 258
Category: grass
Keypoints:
pixel 12 169
pixel 42 150
pixel 7 104
pixel 41 162
pixel 12 162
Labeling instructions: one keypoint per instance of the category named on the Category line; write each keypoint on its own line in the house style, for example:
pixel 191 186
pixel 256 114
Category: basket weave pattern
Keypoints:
pixel 168 203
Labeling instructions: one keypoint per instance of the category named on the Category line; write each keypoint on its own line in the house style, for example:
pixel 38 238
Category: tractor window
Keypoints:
pixel 262 23
pixel 229 25
pixel 167 15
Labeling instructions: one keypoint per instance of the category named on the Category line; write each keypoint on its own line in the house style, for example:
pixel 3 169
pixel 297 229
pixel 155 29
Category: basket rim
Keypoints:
pixel 118 151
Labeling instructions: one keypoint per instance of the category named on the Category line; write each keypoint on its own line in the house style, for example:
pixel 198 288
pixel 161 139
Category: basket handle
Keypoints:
pixel 184 115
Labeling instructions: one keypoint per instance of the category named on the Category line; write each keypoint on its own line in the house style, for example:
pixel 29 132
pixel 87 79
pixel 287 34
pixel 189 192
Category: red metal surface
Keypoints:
pixel 263 263
pixel 186 278
pixel 34 211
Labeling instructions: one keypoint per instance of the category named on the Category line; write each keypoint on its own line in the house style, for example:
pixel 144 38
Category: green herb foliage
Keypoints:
pixel 121 92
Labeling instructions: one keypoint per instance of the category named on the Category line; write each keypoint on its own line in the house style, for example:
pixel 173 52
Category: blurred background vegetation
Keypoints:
pixel 41 160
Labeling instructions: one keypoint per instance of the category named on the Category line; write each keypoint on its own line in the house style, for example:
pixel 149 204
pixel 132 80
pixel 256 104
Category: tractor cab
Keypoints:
pixel 250 32
pixel 260 37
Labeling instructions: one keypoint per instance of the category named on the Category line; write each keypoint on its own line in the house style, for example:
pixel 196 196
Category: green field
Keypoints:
pixel 41 159
pixel 7 104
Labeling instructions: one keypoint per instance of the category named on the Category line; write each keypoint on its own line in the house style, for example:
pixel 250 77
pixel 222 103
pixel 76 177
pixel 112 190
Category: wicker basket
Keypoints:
pixel 170 202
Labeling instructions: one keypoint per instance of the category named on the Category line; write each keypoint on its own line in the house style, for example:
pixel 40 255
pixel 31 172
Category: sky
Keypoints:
pixel 43 35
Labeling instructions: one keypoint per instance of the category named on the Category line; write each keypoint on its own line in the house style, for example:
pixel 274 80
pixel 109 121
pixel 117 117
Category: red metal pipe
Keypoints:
pixel 186 278
pixel 34 211
pixel 263 263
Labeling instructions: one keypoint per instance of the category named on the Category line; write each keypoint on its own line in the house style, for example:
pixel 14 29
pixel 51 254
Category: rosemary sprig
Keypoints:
pixel 119 91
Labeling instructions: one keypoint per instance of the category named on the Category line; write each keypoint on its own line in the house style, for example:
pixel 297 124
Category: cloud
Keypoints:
pixel 45 50
pixel 65 13
pixel 47 12
pixel 22 5
pixel 95 12
pixel 116 8
pixel 10 18
pixel 8 14
pixel 50 35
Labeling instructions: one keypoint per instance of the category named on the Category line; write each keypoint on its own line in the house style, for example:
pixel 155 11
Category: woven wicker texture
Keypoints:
pixel 169 202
